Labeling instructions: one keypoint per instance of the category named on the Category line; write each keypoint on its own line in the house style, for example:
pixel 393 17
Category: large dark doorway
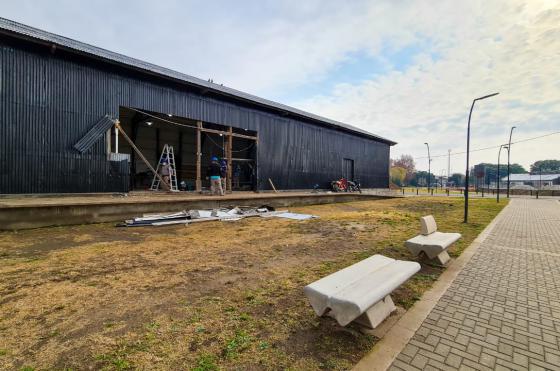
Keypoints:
pixel 348 169
pixel 150 131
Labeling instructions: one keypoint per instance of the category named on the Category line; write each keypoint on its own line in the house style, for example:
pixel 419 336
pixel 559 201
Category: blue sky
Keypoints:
pixel 356 68
pixel 407 70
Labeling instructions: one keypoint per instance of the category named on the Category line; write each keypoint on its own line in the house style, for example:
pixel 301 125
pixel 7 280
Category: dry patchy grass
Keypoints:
pixel 208 296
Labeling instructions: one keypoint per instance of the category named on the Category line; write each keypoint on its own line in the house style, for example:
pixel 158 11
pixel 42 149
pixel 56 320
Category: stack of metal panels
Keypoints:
pixel 225 214
pixel 192 216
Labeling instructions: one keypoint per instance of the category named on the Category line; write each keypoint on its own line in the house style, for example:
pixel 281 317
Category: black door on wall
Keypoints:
pixel 348 169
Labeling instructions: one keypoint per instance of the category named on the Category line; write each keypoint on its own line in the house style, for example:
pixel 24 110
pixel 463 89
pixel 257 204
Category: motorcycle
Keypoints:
pixel 354 186
pixel 344 185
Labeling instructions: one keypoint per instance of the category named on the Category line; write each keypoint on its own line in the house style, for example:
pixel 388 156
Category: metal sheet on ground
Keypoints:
pixel 295 216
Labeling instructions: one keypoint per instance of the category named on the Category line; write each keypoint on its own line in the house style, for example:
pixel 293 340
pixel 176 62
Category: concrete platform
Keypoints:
pixel 24 212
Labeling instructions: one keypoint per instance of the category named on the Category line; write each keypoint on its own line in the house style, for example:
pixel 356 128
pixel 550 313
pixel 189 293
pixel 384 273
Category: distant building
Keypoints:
pixel 534 180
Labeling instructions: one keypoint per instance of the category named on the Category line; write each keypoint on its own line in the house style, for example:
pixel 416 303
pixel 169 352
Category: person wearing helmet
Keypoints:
pixel 214 172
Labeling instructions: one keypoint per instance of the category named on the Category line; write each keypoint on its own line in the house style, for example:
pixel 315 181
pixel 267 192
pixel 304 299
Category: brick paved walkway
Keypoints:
pixel 503 310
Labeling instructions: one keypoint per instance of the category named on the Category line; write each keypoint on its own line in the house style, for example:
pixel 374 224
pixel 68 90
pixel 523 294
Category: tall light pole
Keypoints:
pixel 498 173
pixel 468 149
pixel 448 164
pixel 509 151
pixel 429 166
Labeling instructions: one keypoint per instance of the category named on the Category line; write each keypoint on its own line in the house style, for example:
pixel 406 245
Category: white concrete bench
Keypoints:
pixel 433 243
pixel 360 292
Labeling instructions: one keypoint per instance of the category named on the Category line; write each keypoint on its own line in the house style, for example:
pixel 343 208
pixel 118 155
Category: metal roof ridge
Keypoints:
pixel 74 45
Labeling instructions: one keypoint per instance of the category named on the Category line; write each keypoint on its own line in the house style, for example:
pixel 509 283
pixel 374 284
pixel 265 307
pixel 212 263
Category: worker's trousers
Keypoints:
pixel 216 187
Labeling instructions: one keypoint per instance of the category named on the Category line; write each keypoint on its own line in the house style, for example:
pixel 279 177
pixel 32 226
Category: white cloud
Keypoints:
pixel 497 46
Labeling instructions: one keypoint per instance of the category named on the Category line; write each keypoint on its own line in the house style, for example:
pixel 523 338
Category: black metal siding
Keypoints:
pixel 15 29
pixel 49 101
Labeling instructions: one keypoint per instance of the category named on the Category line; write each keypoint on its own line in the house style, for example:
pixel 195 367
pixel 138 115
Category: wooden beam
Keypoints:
pixel 229 153
pixel 256 173
pixel 198 157
pixel 118 126
pixel 272 185
pixel 134 135
pixel 116 140
pixel 228 133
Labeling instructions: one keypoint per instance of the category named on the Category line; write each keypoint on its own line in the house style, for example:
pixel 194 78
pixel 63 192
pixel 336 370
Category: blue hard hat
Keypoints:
pixel 214 158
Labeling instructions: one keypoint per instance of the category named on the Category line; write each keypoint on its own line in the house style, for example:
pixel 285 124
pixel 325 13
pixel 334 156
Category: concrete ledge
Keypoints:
pixel 37 213
pixel 388 348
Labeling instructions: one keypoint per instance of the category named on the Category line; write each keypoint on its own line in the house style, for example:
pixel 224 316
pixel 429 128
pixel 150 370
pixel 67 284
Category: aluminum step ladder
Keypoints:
pixel 168 156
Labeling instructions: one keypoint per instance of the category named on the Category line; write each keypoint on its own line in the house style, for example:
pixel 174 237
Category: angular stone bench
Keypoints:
pixel 360 292
pixel 433 243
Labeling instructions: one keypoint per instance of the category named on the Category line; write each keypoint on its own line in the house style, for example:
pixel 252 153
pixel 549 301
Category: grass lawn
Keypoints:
pixel 216 295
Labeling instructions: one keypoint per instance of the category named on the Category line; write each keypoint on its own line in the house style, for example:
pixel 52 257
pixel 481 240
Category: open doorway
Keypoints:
pixel 150 131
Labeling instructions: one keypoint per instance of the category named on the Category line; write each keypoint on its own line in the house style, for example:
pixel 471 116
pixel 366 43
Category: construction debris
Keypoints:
pixel 225 214
pixel 295 216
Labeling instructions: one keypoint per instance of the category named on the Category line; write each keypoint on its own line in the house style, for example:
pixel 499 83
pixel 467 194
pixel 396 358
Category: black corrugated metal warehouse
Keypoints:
pixel 55 93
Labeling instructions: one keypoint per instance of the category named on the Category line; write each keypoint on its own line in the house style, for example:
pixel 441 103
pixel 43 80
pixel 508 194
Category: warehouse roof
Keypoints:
pixel 37 35
pixel 531 177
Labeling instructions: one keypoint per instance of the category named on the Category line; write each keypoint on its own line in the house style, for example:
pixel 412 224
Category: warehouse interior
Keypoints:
pixel 150 131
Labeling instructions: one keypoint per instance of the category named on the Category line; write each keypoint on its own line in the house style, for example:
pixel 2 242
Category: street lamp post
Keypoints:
pixel 509 151
pixel 468 149
pixel 498 173
pixel 448 164
pixel 429 167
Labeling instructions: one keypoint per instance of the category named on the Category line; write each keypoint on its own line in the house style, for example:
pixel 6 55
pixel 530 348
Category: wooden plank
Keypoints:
pixel 272 185
pixel 134 135
pixel 116 140
pixel 227 133
pixel 118 126
pixel 257 179
pixel 229 157
pixel 198 156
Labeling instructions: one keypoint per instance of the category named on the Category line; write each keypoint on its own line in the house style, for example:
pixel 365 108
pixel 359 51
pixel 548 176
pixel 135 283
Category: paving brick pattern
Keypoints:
pixel 502 312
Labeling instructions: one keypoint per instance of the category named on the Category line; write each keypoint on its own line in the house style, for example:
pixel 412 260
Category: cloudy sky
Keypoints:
pixel 406 70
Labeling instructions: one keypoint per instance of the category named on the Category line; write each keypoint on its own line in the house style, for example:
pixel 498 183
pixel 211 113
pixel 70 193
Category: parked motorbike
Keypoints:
pixel 339 185
pixel 344 185
pixel 354 186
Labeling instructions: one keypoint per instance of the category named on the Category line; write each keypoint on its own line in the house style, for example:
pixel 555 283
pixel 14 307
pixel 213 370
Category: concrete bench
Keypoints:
pixel 360 292
pixel 433 243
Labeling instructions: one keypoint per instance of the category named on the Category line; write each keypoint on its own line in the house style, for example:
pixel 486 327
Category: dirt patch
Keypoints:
pixel 209 295
pixel 37 243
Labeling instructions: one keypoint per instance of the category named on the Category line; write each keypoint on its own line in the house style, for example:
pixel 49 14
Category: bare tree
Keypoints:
pixel 406 162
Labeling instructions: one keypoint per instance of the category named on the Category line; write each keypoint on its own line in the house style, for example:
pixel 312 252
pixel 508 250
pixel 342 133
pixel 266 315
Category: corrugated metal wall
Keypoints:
pixel 49 101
